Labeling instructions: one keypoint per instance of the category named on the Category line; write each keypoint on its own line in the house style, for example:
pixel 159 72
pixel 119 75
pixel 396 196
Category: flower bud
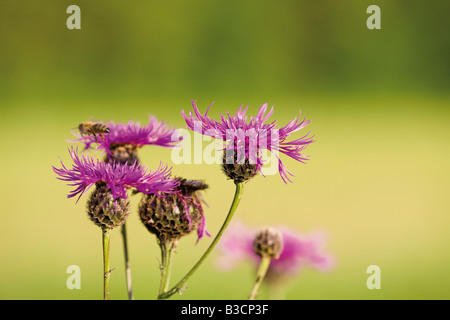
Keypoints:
pixel 104 211
pixel 268 242
pixel 174 215
pixel 238 170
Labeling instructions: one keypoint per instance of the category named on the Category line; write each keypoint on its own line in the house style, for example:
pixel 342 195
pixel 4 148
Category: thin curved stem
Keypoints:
pixel 237 197
pixel 106 271
pixel 127 262
pixel 167 249
pixel 260 274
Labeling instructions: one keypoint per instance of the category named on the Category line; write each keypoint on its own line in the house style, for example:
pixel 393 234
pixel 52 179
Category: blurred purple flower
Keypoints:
pixel 298 252
pixel 252 135
pixel 87 171
pixel 132 133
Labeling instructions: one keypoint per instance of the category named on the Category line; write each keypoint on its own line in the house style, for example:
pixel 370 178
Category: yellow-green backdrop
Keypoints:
pixel 377 182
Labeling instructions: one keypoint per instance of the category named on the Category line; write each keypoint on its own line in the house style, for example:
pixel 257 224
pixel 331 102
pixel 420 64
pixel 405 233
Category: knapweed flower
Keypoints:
pixel 124 140
pixel 108 205
pixel 268 242
pixel 245 140
pixel 298 252
pixel 174 215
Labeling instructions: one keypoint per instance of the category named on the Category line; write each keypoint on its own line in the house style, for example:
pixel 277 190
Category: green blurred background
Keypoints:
pixel 377 182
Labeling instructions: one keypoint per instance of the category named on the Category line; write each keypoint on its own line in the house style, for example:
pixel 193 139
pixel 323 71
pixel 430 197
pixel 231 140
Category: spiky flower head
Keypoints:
pixel 246 139
pixel 172 216
pixel 105 211
pixel 268 242
pixel 237 170
pixel 124 140
pixel 298 252
pixel 106 206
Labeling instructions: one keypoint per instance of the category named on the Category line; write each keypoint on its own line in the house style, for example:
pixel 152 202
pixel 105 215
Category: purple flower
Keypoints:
pixel 248 137
pixel 87 171
pixel 131 134
pixel 298 252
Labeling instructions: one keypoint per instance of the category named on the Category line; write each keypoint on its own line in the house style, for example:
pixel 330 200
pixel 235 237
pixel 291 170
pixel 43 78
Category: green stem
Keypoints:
pixel 234 204
pixel 260 274
pixel 127 263
pixel 167 249
pixel 106 271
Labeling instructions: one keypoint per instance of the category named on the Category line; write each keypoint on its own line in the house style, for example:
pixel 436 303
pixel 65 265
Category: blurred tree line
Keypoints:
pixel 151 48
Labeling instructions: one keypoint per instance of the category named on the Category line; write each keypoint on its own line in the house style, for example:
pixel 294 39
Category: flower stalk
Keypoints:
pixel 127 262
pixel 167 248
pixel 106 271
pixel 260 274
pixel 178 287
